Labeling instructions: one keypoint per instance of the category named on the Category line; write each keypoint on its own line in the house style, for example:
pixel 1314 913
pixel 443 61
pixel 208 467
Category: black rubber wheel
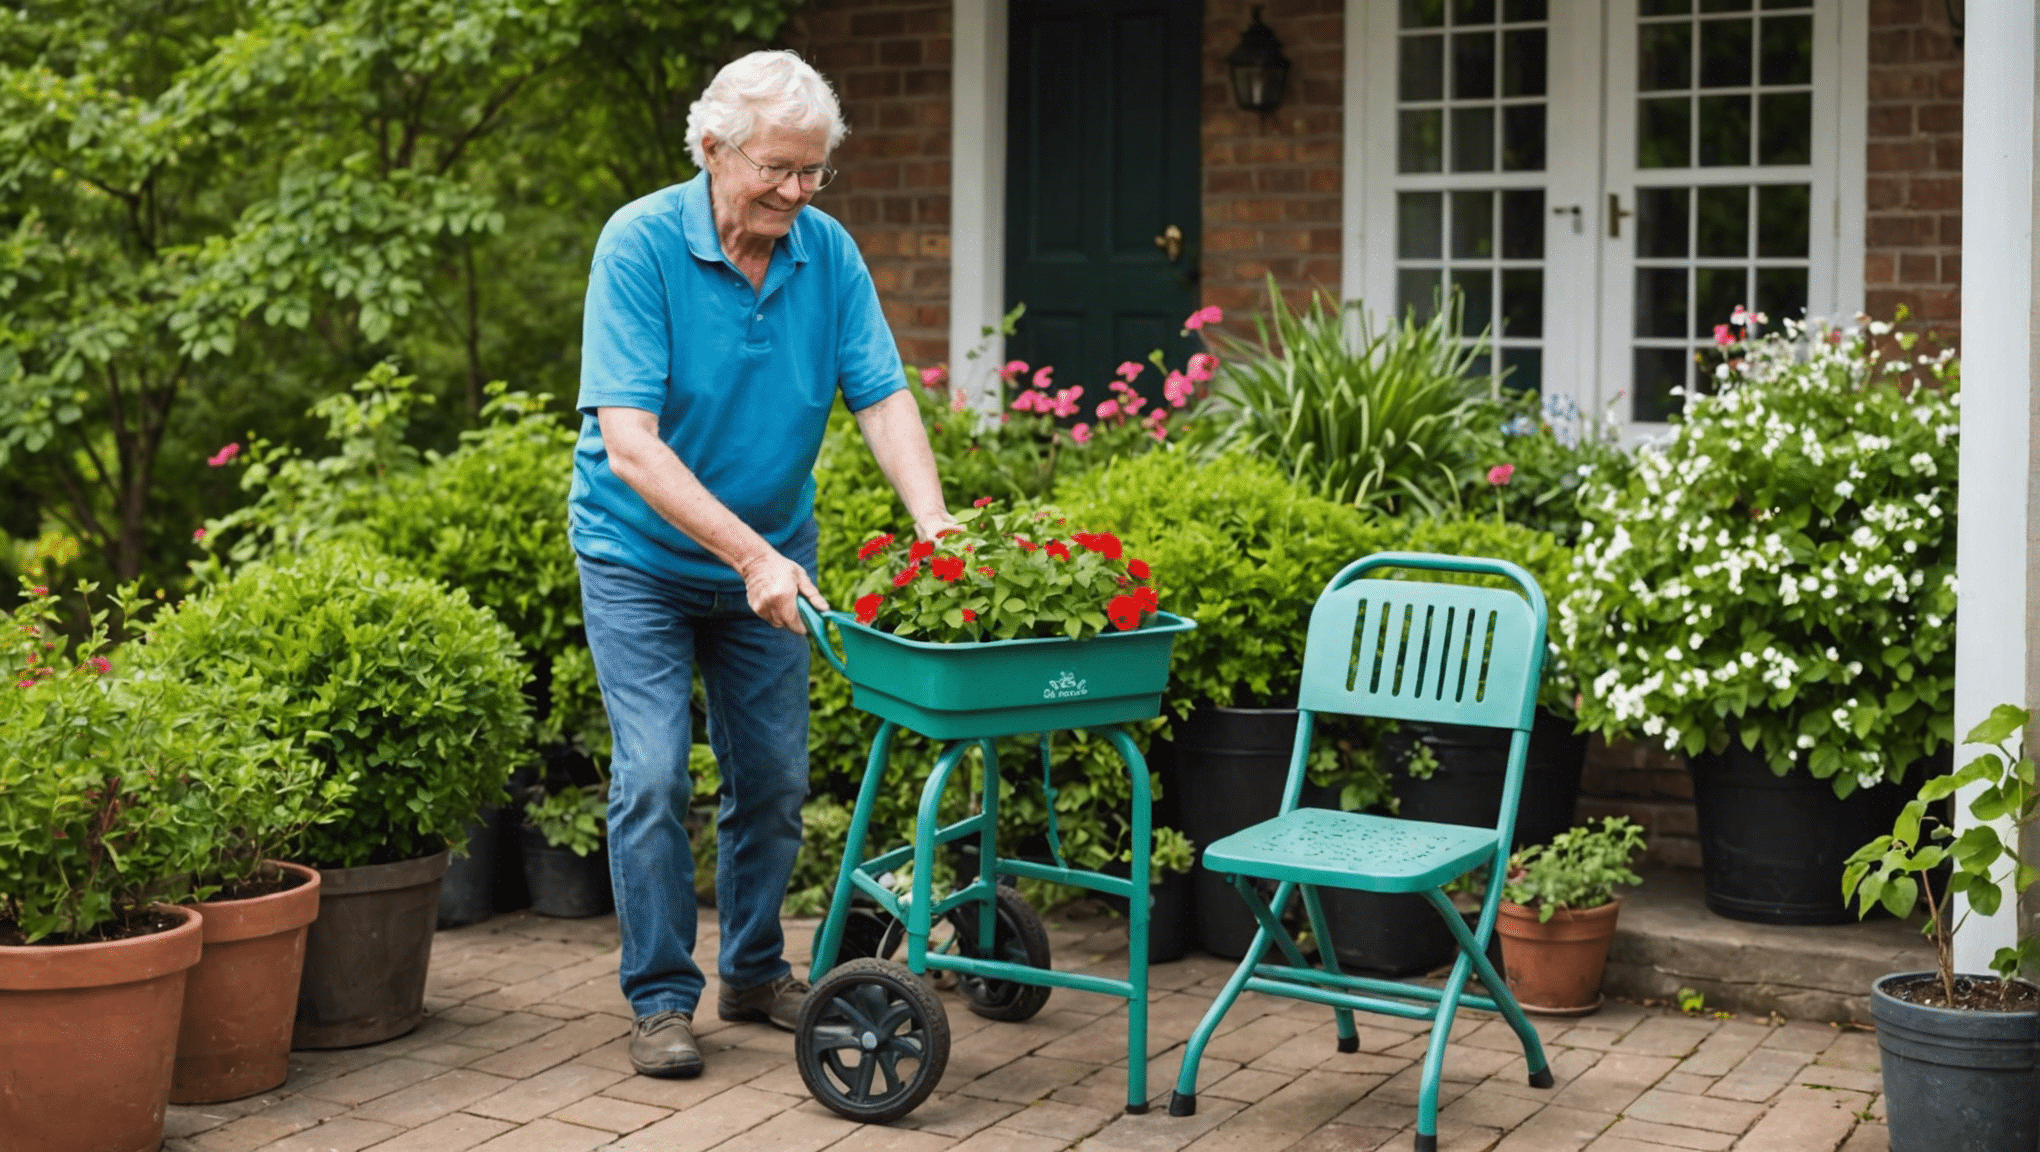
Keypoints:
pixel 871 1041
pixel 1018 938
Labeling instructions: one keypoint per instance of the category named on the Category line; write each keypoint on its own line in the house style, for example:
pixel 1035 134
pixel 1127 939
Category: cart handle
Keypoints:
pixel 817 626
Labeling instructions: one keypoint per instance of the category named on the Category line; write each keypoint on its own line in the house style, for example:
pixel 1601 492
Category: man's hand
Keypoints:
pixel 771 583
pixel 932 525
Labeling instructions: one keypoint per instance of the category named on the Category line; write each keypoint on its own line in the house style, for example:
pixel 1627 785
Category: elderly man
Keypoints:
pixel 723 317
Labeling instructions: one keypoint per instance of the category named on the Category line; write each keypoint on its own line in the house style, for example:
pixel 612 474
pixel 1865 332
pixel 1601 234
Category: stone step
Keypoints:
pixel 1667 939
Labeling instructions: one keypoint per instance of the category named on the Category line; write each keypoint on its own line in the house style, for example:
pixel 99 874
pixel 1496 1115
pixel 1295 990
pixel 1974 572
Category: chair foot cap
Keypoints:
pixel 1541 1078
pixel 1183 1104
pixel 1349 1043
pixel 1140 1109
pixel 1427 1143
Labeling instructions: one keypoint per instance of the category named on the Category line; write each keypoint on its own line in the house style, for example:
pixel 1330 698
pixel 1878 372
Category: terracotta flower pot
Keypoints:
pixel 88 1037
pixel 240 1000
pixel 367 954
pixel 1555 967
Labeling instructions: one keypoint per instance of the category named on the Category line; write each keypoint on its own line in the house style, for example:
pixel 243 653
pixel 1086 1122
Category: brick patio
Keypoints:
pixel 523 1051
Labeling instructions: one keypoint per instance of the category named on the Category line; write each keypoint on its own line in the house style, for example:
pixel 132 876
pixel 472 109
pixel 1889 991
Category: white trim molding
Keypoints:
pixel 977 191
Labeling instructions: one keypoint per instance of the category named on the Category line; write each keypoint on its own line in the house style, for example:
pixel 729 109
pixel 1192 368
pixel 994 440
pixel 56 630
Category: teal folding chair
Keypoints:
pixel 1404 650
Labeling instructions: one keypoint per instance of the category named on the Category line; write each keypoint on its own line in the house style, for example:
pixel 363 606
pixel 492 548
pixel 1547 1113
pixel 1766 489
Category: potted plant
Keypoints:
pixel 1960 1050
pixel 405 692
pixel 1558 915
pixel 1772 592
pixel 99 827
pixel 566 856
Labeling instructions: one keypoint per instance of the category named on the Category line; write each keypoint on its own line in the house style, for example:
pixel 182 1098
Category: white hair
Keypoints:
pixel 775 86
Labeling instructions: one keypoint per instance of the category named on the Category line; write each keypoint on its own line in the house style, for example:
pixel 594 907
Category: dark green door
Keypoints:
pixel 1102 158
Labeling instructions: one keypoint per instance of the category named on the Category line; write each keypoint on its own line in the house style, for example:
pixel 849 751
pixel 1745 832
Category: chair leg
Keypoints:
pixel 1184 1100
pixel 1328 953
pixel 1498 990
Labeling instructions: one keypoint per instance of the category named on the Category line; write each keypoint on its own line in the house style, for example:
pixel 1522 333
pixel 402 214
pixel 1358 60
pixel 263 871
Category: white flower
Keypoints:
pixel 1844 489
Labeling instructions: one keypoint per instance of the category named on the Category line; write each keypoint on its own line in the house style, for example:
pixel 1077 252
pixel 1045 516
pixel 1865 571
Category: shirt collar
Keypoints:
pixel 697 216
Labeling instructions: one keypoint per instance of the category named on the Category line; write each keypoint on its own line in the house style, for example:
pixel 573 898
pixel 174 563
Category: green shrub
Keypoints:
pixel 1579 869
pixel 1551 450
pixel 398 687
pixel 1549 563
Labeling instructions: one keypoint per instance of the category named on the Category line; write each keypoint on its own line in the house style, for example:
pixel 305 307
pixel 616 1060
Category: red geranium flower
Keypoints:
pixel 969 617
pixel 1103 543
pixel 1145 597
pixel 946 533
pixel 906 577
pixel 872 546
pixel 921 550
pixel 1024 543
pixel 981 502
pixel 1124 612
pixel 947 568
pixel 1138 569
pixel 1057 549
pixel 867 607
pixel 987 573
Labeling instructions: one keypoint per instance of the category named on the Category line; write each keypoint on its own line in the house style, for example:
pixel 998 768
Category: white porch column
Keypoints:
pixel 977 191
pixel 1999 599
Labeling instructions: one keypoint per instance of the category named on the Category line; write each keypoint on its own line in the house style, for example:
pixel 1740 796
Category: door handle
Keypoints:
pixel 1576 213
pixel 1615 215
pixel 1171 242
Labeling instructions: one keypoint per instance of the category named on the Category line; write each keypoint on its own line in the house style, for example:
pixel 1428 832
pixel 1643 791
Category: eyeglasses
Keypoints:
pixel 811 179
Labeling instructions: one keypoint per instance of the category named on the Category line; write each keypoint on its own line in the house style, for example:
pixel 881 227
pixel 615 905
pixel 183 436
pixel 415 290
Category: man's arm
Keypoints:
pixel 643 461
pixel 892 427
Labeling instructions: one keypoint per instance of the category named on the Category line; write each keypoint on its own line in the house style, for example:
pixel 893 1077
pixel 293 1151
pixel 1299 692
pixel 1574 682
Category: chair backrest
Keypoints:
pixel 1423 650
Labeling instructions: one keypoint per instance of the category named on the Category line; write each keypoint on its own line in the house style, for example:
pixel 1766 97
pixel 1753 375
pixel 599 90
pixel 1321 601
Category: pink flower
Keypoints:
pixel 1108 409
pixel 1128 369
pixel 934 377
pixel 1178 389
pixel 1031 402
pixel 1066 400
pixel 1202 365
pixel 1081 433
pixel 981 502
pixel 1500 473
pixel 1157 423
pixel 1721 337
pixel 38 590
pixel 958 401
pixel 1738 317
pixel 100 665
pixel 1133 403
pixel 219 459
pixel 1013 368
pixel 198 534
pixel 1209 314
pixel 1043 378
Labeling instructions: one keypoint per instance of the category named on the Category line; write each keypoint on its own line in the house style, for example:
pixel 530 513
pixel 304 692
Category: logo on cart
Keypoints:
pixel 1065 687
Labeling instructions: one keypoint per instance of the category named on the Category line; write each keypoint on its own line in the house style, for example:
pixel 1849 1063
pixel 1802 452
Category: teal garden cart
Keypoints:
pixel 872 1039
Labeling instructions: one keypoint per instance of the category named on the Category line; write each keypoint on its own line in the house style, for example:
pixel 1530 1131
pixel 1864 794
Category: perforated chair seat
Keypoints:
pixel 1352 850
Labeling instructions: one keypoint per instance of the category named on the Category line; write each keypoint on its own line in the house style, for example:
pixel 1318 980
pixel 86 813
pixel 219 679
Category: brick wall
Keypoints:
pixel 1651 787
pixel 889 61
pixel 1272 184
pixel 1913 234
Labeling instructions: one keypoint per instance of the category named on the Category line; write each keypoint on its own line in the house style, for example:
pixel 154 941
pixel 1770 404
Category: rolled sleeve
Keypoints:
pixel 868 360
pixel 626 337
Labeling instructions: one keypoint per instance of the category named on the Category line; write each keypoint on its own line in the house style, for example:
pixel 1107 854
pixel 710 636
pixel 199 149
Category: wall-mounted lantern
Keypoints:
pixel 1259 69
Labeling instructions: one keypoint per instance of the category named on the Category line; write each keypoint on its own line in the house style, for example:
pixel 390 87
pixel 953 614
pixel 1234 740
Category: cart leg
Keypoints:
pixel 1139 908
pixel 831 936
pixel 920 906
pixel 988 851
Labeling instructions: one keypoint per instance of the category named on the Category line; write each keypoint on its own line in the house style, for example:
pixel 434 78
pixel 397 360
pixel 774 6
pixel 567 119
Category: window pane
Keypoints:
pixel 1787 123
pixel 1473 139
pixel 1660 223
pixel 1523 138
pixel 1662 133
pixel 1788 50
pixel 1523 301
pixel 1477 285
pixel 1421 70
pixel 1724 5
pixel 1423 13
pixel 1523 224
pixel 1664 7
pixel 1420 140
pixel 1419 225
pixel 1416 290
pixel 1473 11
pixel 1664 57
pixel 1525 10
pixel 1716 292
pixel 1724 131
pixel 1660 301
pixel 1783 215
pixel 1658 371
pixel 1473 66
pixel 1781 292
pixel 1724 223
pixel 1473 225
pixel 1523 63
pixel 1724 53
pixel 1523 369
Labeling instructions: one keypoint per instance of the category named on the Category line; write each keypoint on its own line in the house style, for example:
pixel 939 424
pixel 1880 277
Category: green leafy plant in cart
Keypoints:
pixel 1580 868
pixel 1985 868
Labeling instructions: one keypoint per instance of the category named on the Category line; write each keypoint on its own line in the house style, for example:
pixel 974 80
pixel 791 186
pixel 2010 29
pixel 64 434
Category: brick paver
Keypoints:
pixel 524 1048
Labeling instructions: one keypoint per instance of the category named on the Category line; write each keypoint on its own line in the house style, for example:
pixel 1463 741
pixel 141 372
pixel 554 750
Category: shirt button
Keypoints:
pixel 759 316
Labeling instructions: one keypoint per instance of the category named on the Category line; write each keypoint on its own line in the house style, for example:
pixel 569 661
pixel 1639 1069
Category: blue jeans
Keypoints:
pixel 646 635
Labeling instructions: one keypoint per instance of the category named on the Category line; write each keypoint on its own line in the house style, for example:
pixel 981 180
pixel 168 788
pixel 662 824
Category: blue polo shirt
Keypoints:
pixel 741 379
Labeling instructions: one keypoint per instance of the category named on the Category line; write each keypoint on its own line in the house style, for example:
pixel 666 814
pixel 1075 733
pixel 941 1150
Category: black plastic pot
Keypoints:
pixel 1172 916
pixel 367 954
pixel 467 894
pixel 1957 1080
pixel 1230 764
pixel 1772 847
pixel 563 884
pixel 1472 762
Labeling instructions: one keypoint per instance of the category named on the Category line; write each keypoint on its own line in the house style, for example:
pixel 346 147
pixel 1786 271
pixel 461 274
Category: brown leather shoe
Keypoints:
pixel 662 1044
pixel 776 1003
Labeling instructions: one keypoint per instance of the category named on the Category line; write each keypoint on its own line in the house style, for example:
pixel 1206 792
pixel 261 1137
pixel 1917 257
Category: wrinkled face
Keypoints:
pixel 748 201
